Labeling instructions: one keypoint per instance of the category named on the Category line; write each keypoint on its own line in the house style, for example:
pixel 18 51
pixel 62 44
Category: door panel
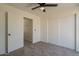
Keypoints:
pixel 2 30
pixel 14 31
pixel 67 32
pixel 61 31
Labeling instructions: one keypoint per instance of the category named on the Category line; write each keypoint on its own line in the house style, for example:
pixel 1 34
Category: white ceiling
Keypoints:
pixel 28 6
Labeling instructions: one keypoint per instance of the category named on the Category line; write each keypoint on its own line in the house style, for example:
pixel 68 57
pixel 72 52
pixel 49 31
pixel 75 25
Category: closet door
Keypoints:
pixel 61 31
pixel 67 31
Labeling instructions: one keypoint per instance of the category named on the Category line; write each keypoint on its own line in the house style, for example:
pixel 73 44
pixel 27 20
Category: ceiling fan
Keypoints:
pixel 43 5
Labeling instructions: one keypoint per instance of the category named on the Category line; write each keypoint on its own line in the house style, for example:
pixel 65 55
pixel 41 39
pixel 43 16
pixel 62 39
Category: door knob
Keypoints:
pixel 9 34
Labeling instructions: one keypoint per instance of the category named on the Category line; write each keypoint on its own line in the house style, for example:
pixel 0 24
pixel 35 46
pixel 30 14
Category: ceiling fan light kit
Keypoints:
pixel 42 8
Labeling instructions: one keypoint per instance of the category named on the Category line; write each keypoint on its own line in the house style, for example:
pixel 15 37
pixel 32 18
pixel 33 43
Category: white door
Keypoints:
pixel 15 39
pixel 67 32
pixel 62 31
pixel 2 30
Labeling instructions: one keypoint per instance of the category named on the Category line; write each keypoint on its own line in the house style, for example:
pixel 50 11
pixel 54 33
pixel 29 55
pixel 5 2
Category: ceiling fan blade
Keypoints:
pixel 36 7
pixel 50 5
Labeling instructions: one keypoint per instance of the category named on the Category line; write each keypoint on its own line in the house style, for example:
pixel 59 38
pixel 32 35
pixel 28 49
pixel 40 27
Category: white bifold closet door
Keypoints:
pixel 66 31
pixel 61 31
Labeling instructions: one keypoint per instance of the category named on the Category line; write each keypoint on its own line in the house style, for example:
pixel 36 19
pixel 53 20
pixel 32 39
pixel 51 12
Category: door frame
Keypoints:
pixel 32 25
pixel 6 32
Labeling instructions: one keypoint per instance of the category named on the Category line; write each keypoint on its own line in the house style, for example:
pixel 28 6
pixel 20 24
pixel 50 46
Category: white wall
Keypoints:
pixel 60 26
pixel 43 27
pixel 2 30
pixel 36 25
